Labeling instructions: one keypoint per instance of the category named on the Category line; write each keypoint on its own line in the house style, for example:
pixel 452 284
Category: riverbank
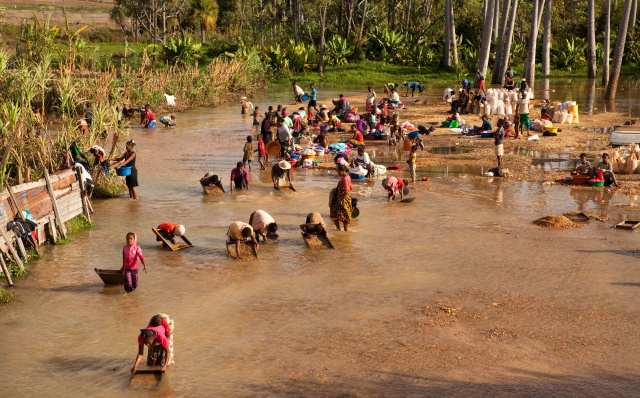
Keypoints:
pixel 545 159
pixel 375 73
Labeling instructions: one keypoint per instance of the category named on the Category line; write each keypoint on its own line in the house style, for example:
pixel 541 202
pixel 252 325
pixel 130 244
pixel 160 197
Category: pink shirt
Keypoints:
pixel 160 336
pixel 130 255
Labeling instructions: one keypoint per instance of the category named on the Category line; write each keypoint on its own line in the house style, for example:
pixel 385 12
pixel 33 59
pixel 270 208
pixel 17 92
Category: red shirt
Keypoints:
pixel 400 184
pixel 168 226
pixel 261 150
pixel 545 117
pixel 359 137
pixel 150 115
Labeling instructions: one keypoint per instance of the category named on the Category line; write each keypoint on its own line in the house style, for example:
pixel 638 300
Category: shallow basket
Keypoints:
pixel 356 176
pixel 552 129
pixel 596 183
pixel 273 148
pixel 580 179
pixel 124 171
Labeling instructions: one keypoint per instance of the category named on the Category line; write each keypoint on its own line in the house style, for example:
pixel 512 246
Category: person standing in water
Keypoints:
pixel 256 123
pixel 129 158
pixel 130 254
pixel 158 336
pixel 312 99
pixel 498 137
pixel 341 207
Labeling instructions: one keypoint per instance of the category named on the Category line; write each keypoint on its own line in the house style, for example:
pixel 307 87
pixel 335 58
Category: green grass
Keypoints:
pixel 370 72
pixel 79 223
pixel 6 297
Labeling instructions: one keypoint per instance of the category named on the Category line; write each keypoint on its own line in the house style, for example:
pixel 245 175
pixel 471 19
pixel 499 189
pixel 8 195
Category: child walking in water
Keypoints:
pixel 262 153
pixel 248 152
pixel 130 253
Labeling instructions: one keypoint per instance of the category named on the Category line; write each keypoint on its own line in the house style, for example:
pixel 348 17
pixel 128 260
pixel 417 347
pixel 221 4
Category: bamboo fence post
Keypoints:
pixel 52 228
pixel 83 196
pixel 63 228
pixel 23 251
pixel 5 270
pixel 11 248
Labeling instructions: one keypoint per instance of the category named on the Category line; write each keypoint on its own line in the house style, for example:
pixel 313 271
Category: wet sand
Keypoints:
pixel 455 294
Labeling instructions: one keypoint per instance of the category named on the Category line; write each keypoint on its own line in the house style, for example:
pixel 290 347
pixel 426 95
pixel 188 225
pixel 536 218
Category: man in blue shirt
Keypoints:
pixel 312 99
pixel 414 86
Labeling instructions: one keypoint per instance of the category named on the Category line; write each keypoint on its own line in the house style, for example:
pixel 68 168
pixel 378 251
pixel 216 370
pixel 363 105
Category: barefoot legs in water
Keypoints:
pixel 132 193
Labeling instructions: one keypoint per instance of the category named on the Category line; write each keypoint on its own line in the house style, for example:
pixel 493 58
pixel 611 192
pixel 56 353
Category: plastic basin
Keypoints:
pixel 356 176
pixel 596 183
pixel 124 171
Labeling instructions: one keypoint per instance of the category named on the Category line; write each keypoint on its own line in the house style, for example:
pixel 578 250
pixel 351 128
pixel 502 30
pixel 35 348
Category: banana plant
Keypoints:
pixel 181 52
pixel 76 44
pixel 337 51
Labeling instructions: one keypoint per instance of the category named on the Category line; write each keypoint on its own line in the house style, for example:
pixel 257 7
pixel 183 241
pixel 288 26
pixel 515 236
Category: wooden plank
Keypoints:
pixel 166 243
pixel 63 228
pixel 52 228
pixel 33 241
pixel 23 251
pixel 11 248
pixel 5 270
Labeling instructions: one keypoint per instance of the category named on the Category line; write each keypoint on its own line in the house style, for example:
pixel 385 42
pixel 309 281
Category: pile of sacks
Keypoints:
pixel 628 165
pixel 566 112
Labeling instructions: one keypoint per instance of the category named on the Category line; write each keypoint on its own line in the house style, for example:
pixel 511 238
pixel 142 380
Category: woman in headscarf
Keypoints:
pixel 394 185
pixel 341 208
pixel 129 158
pixel 130 254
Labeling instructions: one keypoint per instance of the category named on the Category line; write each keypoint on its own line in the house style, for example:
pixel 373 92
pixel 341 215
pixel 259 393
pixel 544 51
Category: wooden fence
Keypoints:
pixel 52 200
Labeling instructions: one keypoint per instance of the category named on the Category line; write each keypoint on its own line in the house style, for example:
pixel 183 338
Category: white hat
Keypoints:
pixel 523 79
pixel 284 165
pixel 179 231
pixel 323 106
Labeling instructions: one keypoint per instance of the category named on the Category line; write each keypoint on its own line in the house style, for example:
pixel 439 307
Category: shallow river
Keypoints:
pixel 241 326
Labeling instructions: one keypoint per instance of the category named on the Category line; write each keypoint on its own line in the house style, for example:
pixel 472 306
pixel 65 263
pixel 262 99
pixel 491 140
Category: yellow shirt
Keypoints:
pixel 235 230
pixel 412 157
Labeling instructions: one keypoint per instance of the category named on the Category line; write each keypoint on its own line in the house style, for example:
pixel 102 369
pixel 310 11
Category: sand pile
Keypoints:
pixel 555 222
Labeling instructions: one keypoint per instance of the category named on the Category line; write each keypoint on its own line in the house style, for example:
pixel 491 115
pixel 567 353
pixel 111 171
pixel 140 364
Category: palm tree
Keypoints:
pixel 591 39
pixel 496 78
pixel 205 12
pixel 607 50
pixel 483 59
pixel 530 63
pixel 508 38
pixel 616 64
pixel 447 34
pixel 546 39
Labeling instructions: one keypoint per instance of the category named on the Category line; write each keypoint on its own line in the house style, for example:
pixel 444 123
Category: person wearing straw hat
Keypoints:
pixel 281 174
pixel 169 231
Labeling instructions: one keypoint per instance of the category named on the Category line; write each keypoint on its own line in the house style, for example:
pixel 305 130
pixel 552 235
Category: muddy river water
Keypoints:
pixel 315 323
